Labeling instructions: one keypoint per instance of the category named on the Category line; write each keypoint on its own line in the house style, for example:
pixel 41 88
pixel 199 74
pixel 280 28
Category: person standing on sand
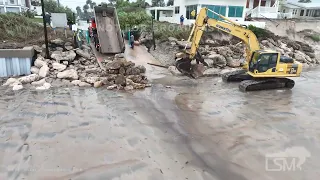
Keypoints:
pixel 181 20
pixel 132 40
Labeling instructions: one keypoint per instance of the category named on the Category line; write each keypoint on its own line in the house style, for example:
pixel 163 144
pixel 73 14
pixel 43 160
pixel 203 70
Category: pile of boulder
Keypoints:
pixel 79 67
pixel 297 50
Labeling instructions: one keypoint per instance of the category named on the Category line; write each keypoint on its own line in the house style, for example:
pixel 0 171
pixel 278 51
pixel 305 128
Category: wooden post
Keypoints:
pixel 45 30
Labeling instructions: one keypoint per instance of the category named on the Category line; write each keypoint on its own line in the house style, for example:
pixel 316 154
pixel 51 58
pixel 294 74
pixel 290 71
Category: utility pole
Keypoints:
pixel 58 3
pixel 45 29
pixel 153 40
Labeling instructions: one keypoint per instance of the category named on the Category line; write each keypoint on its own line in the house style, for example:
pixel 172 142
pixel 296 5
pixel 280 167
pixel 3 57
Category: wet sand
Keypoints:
pixel 196 129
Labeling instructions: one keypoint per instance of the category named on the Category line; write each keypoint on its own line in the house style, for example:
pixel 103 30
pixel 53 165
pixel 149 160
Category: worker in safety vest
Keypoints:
pixel 94 32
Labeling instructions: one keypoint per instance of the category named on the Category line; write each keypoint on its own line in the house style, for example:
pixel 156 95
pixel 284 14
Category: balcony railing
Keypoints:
pixel 12 2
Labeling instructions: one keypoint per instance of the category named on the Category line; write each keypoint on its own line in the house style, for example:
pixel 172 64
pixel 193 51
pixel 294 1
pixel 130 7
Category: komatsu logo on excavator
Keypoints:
pixel 223 28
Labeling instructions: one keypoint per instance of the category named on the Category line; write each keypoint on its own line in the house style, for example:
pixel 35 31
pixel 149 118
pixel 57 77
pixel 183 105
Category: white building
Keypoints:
pixel 232 9
pixel 15 6
pixel 262 8
pixel 294 9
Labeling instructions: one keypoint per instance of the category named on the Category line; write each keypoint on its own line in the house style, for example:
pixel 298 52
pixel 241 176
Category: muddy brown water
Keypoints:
pixel 178 129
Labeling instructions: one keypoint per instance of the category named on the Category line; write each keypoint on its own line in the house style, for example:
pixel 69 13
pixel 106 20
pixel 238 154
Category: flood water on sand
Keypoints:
pixel 196 129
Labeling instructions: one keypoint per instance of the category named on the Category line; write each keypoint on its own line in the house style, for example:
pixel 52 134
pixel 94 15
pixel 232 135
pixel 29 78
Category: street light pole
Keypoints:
pixel 45 30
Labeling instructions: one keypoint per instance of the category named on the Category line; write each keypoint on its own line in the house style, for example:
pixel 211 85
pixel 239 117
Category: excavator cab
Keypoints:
pixel 268 63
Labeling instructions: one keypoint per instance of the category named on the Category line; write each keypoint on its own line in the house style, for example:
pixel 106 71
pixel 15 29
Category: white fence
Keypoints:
pixel 189 22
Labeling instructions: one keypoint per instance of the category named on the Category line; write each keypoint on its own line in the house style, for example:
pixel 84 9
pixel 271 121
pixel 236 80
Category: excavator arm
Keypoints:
pixel 202 21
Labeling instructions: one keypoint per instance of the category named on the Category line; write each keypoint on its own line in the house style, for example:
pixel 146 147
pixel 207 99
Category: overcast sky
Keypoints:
pixel 74 3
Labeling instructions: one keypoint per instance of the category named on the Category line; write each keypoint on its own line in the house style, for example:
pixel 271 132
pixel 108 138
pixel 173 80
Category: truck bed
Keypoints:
pixel 109 32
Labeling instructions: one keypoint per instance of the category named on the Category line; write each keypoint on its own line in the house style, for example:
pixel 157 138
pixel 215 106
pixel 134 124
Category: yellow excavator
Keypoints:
pixel 263 69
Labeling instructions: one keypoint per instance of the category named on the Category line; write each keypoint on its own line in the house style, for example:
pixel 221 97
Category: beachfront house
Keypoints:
pixel 15 6
pixel 262 8
pixel 294 9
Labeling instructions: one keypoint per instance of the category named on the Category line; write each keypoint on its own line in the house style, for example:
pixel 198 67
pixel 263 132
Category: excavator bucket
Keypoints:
pixel 183 64
pixel 192 70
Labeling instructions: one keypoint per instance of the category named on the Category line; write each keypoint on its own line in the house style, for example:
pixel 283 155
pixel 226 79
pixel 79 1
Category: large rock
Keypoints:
pixel 114 65
pixel 212 72
pixel 128 63
pixel 311 55
pixel 128 88
pixel 174 71
pixel 68 48
pixel 133 71
pixel 68 44
pixel 233 62
pixel 58 42
pixel 45 86
pixel 308 59
pixel 223 71
pixel 44 71
pixel 121 55
pixel 68 74
pixel 92 80
pixel 58 66
pixel 264 42
pixel 34 70
pixel 98 84
pixel 59 49
pixel 272 42
pixel 111 87
pixel 299 56
pixel 84 84
pixel 184 44
pixel 172 39
pixel 224 51
pixel 63 56
pixel 218 60
pixel 91 70
pixel 39 62
pixel 38 83
pixel 29 78
pixel 85 47
pixel 76 82
pixel 122 71
pixel 11 81
pixel 37 48
pixel 141 68
pixel 307 48
pixel 17 87
pixel 120 80
pixel 83 53
pixel 294 45
pixel 135 78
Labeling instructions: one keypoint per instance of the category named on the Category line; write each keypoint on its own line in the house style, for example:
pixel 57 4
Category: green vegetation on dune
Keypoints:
pixel 17 27
pixel 315 37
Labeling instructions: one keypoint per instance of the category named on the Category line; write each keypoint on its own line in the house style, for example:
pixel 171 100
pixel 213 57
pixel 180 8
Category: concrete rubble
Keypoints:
pixel 78 67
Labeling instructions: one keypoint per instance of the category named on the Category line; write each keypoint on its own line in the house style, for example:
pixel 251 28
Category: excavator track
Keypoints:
pixel 236 76
pixel 266 84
